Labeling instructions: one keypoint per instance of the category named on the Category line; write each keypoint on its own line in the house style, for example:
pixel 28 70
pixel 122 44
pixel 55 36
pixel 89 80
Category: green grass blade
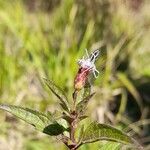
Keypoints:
pixel 127 83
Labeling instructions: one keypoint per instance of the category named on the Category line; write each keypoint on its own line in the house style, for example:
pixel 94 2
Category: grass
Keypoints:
pixel 46 42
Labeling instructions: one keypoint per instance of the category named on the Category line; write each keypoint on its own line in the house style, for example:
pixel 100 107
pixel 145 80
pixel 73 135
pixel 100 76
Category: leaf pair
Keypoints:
pixel 94 132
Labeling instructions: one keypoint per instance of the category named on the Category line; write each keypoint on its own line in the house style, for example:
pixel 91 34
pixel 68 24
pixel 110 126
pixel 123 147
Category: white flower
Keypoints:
pixel 89 61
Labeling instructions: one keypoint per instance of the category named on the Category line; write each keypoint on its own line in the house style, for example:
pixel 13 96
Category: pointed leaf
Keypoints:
pixel 39 120
pixel 54 129
pixel 96 131
pixel 59 93
pixel 82 105
pixel 32 117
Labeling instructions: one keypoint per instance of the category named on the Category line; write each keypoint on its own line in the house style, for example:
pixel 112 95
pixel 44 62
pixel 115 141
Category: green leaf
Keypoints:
pixel 39 120
pixel 54 129
pixel 59 93
pixel 35 118
pixel 96 131
pixel 82 105
pixel 111 146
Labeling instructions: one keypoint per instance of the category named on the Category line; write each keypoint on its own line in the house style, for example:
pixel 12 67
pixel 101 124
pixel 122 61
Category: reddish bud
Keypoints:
pixel 81 78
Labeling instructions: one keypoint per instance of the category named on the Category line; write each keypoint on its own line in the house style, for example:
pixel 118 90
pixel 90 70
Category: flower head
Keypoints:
pixel 86 66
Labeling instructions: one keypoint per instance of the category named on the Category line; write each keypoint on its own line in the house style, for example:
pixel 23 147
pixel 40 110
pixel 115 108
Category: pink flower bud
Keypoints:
pixel 86 66
pixel 81 78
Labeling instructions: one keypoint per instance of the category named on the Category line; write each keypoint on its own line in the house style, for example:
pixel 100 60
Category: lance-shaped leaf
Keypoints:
pixel 59 93
pixel 82 105
pixel 96 131
pixel 39 120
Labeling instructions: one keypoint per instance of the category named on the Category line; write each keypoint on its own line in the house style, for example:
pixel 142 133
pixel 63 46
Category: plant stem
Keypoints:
pixel 73 128
pixel 73 123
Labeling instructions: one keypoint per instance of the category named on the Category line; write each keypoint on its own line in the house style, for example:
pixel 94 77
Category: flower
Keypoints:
pixel 86 66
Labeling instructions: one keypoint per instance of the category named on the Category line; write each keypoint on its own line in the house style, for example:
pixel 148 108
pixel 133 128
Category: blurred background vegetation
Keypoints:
pixel 44 38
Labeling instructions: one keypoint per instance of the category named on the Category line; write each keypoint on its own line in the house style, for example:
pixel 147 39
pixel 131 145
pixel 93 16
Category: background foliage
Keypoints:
pixel 44 38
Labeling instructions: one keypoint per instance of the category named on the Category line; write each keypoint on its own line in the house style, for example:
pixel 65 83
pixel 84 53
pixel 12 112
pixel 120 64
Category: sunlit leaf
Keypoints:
pixel 111 146
pixel 82 105
pixel 39 120
pixel 96 131
pixel 35 118
pixel 59 93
